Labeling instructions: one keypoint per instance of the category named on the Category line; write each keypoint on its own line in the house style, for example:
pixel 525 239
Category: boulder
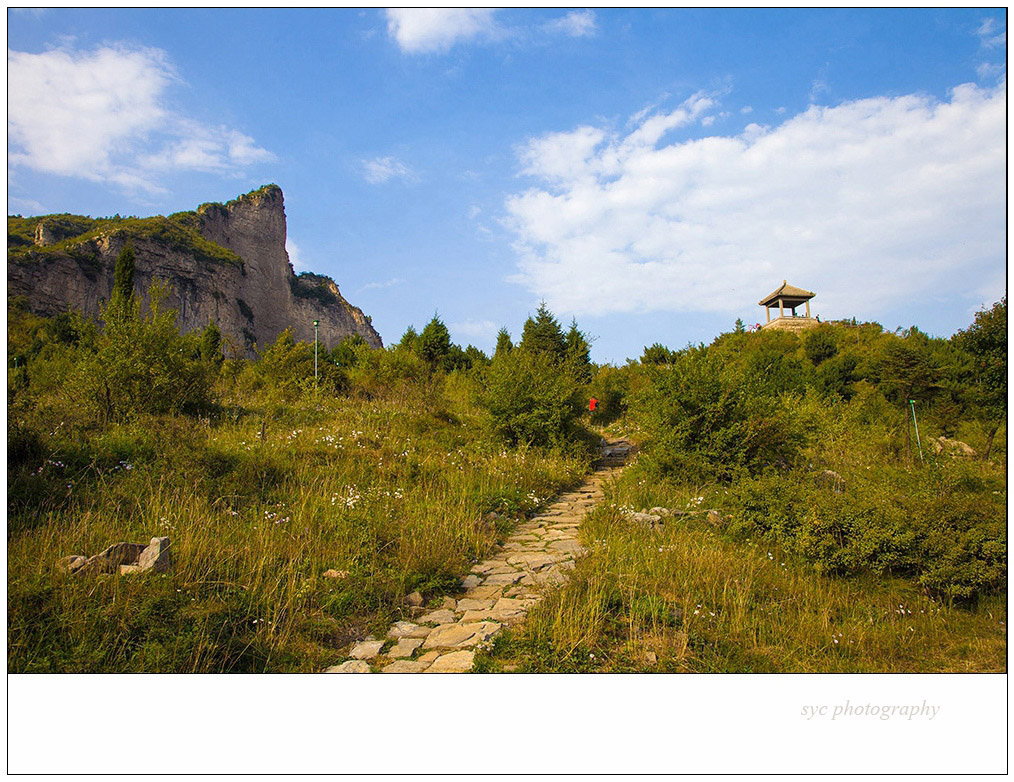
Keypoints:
pixel 415 599
pixel 72 563
pixel 156 556
pixel 109 560
pixel 649 520
pixel 952 447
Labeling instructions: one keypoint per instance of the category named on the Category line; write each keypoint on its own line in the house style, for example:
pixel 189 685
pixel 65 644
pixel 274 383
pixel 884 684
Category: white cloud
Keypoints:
pixel 295 256
pixel 380 285
pixel 474 211
pixel 475 329
pixel 989 38
pixel 988 35
pixel 102 115
pixel 437 30
pixel 577 24
pixel 424 30
pixel 19 205
pixel 995 71
pixel 868 202
pixel 817 88
pixel 381 169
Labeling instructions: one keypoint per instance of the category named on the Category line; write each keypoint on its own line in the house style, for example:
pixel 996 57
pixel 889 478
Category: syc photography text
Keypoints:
pixel 879 711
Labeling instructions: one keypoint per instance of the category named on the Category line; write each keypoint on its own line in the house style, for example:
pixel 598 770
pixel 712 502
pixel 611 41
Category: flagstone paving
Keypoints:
pixel 498 591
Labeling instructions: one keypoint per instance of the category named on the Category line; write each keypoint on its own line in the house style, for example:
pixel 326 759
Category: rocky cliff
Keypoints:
pixel 223 262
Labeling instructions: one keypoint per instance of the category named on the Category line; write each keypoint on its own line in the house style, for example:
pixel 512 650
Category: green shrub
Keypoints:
pixel 704 418
pixel 143 364
pixel 529 397
pixel 285 365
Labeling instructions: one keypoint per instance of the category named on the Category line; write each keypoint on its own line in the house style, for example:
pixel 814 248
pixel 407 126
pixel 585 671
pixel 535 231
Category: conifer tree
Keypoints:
pixel 542 334
pixel 409 338
pixel 503 343
pixel 434 344
pixel 579 351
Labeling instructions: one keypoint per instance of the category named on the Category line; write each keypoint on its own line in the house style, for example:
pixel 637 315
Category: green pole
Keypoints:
pixel 911 403
pixel 315 324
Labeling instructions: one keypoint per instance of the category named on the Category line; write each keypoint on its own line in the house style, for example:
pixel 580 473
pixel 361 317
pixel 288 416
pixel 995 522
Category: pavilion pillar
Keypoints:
pixel 768 311
pixel 781 309
pixel 807 308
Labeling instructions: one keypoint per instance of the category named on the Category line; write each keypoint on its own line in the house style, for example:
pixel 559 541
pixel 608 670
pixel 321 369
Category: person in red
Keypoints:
pixel 592 404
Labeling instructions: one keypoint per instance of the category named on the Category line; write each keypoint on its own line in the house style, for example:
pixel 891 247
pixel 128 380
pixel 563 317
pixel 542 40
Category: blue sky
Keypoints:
pixel 652 173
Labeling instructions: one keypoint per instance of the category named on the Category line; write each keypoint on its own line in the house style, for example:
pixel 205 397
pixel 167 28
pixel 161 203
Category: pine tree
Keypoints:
pixel 657 354
pixel 476 357
pixel 542 334
pixel 434 344
pixel 579 351
pixel 503 343
pixel 409 339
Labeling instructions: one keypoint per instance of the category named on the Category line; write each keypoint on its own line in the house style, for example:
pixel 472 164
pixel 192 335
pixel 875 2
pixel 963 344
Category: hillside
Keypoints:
pixel 780 511
pixel 224 263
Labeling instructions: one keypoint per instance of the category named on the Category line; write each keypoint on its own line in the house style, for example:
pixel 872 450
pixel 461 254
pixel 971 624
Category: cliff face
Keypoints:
pixel 248 288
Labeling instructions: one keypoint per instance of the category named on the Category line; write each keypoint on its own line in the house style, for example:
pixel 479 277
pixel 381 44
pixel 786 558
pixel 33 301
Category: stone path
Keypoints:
pixel 498 591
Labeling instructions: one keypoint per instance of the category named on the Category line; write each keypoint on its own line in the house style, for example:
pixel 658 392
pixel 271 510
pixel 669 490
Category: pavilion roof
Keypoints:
pixel 786 292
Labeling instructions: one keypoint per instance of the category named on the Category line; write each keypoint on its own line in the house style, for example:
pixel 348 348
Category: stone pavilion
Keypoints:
pixel 787 298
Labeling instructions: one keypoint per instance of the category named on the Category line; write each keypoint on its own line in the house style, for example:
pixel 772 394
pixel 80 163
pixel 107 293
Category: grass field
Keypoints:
pixel 687 598
pixel 258 505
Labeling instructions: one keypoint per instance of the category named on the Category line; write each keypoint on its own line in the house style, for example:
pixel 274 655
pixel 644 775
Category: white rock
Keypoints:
pixel 365 650
pixel 156 556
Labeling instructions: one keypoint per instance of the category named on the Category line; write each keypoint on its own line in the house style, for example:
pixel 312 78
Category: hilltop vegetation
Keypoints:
pixel 71 234
pixel 74 235
pixel 302 509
